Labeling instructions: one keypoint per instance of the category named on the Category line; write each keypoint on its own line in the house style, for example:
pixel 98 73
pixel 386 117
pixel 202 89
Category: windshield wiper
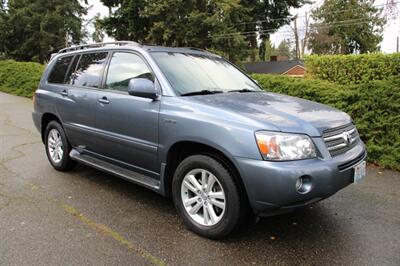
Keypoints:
pixel 243 90
pixel 202 92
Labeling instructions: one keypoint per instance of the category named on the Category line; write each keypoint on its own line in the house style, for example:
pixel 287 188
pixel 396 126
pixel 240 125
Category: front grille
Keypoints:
pixel 340 139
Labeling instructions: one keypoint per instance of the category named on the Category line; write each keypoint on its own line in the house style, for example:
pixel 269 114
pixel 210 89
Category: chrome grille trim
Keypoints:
pixel 339 135
pixel 341 139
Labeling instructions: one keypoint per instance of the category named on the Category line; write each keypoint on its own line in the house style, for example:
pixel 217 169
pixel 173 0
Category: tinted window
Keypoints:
pixel 89 70
pixel 123 68
pixel 71 70
pixel 59 70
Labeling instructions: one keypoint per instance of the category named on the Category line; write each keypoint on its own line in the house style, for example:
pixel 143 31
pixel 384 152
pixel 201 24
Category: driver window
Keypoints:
pixel 124 67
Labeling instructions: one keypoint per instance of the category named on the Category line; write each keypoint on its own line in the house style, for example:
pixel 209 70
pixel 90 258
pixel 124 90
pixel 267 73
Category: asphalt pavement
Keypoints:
pixel 86 217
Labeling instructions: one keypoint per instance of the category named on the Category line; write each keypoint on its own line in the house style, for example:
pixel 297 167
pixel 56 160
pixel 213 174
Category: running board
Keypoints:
pixel 110 168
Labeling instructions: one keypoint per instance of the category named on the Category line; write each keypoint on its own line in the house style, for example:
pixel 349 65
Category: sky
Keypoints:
pixel 391 31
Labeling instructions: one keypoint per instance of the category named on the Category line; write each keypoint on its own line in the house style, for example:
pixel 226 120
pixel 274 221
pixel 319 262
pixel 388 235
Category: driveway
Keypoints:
pixel 89 217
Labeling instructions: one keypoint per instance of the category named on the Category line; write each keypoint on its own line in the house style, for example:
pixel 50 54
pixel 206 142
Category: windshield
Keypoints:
pixel 191 73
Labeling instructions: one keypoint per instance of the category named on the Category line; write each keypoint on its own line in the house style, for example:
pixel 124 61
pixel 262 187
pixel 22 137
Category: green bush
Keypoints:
pixel 353 69
pixel 374 106
pixel 20 78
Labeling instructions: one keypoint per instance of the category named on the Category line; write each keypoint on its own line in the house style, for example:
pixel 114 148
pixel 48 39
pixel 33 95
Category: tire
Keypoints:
pixel 55 134
pixel 226 219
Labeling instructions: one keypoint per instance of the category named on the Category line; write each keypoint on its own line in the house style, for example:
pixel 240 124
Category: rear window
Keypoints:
pixel 89 70
pixel 59 70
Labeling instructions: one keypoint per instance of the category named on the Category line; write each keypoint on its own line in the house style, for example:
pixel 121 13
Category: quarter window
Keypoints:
pixel 59 70
pixel 124 67
pixel 71 70
pixel 89 70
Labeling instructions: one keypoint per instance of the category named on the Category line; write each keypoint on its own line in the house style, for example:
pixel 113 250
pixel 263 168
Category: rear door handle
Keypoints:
pixel 104 100
pixel 64 93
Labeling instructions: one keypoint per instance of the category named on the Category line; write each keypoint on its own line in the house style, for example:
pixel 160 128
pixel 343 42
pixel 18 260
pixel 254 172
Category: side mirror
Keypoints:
pixel 141 87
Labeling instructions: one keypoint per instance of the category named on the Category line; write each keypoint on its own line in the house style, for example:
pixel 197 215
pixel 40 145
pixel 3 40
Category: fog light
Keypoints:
pixel 304 184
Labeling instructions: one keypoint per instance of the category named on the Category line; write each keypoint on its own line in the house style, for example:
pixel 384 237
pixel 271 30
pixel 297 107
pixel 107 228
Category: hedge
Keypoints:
pixel 374 106
pixel 20 78
pixel 353 69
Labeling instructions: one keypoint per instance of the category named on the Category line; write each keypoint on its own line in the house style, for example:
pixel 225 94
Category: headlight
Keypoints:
pixel 277 146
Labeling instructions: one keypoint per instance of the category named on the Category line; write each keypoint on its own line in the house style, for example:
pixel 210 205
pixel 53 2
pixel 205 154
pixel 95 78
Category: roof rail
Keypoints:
pixel 96 45
pixel 196 49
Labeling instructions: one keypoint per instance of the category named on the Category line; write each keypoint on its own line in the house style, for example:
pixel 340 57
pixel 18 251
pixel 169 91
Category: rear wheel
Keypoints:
pixel 57 147
pixel 206 196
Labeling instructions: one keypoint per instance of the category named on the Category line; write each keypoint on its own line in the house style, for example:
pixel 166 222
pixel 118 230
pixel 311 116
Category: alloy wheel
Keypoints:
pixel 55 146
pixel 203 197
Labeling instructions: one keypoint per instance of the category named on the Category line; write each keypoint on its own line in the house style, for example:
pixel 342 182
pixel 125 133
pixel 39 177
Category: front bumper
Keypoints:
pixel 271 186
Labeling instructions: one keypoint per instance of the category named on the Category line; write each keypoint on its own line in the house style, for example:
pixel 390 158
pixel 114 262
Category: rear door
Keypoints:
pixel 77 105
pixel 128 125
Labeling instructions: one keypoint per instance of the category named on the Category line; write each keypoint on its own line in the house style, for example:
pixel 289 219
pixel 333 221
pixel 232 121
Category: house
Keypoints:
pixel 278 65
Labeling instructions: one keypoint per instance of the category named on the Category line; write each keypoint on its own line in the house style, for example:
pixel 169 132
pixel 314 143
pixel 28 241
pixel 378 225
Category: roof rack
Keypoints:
pixel 196 49
pixel 96 45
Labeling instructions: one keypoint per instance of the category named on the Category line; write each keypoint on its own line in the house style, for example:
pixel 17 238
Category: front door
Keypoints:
pixel 127 126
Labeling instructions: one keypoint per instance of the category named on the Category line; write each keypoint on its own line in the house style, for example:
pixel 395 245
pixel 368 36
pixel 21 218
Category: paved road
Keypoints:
pixel 88 217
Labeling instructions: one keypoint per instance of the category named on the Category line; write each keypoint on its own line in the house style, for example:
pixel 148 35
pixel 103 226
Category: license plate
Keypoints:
pixel 359 171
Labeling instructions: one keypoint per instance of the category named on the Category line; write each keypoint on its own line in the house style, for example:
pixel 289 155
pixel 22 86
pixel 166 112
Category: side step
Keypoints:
pixel 124 173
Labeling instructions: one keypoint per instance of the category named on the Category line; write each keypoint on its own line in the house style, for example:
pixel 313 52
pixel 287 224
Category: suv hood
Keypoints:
pixel 286 113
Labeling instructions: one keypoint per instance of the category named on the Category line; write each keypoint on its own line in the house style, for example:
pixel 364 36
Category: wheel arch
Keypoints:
pixel 182 149
pixel 46 119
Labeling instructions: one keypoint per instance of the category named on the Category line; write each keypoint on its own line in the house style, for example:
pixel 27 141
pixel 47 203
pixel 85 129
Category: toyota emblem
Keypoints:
pixel 347 138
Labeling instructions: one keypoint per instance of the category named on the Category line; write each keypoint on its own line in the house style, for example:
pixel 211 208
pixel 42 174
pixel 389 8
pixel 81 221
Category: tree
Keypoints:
pixel 300 43
pixel 391 10
pixel 128 21
pixel 229 26
pixel 284 49
pixel 346 27
pixel 270 16
pixel 304 41
pixel 33 29
pixel 3 19
pixel 266 50
pixel 224 18
pixel 296 39
pixel 188 26
pixel 98 33
pixel 178 23
pixel 262 50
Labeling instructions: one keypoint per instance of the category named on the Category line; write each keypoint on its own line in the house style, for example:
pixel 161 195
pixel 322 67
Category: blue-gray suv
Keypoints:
pixel 188 124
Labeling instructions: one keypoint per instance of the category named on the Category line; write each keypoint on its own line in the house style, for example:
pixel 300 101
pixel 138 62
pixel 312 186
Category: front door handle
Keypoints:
pixel 104 100
pixel 64 93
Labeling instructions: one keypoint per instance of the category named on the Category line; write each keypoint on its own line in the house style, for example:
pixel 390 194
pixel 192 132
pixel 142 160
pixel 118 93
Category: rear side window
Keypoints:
pixel 59 70
pixel 89 70
pixel 71 70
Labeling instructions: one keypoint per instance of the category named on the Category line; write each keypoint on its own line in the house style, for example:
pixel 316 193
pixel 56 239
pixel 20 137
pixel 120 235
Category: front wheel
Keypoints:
pixel 206 196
